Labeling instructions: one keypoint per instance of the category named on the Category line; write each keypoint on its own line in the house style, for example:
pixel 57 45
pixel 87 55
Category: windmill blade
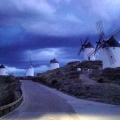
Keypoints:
pixel 110 55
pixel 82 48
pixel 83 45
pixel 97 48
pixel 101 34
pixel 26 71
pixel 100 30
pixel 86 40
pixel 30 62
pixel 100 41
pixel 99 26
pixel 9 72
pixel 116 32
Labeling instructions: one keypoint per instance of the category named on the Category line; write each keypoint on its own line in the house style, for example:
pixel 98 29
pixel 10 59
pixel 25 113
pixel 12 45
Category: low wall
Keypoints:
pixel 10 107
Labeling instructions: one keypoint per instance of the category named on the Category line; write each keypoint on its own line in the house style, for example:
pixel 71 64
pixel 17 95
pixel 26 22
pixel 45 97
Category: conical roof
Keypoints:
pixel 54 61
pixel 2 66
pixel 112 42
pixel 89 45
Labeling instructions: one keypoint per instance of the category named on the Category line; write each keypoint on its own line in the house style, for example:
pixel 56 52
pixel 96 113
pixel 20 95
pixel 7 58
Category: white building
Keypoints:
pixel 110 53
pixel 78 69
pixel 2 70
pixel 54 64
pixel 88 50
pixel 30 71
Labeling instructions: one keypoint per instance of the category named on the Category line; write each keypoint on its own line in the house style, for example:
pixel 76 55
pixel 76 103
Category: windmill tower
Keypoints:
pixel 54 64
pixel 30 70
pixel 109 48
pixel 88 49
pixel 2 70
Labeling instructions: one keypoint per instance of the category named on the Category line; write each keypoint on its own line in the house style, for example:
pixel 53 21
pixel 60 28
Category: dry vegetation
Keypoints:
pixel 9 89
pixel 108 75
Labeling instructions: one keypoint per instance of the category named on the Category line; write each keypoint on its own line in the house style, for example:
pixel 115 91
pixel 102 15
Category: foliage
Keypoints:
pixel 7 79
pixel 54 82
pixel 101 80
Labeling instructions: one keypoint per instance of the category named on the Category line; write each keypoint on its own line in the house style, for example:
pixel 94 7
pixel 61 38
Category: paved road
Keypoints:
pixel 43 103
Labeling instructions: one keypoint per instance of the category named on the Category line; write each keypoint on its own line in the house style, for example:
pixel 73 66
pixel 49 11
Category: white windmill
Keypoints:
pixel 109 49
pixel 30 70
pixel 54 64
pixel 87 49
pixel 2 70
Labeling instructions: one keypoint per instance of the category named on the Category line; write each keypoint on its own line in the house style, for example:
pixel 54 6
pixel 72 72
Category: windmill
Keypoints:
pixel 87 48
pixel 108 47
pixel 2 70
pixel 30 70
pixel 54 64
pixel 5 70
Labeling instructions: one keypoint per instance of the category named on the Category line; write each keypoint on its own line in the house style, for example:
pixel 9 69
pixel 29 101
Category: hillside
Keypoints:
pixel 81 84
pixel 108 75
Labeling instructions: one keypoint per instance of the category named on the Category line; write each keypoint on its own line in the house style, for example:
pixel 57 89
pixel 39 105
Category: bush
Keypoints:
pixel 54 82
pixel 9 79
pixel 101 80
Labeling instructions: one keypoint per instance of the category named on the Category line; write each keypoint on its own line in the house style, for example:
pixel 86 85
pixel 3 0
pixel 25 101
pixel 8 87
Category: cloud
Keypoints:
pixel 35 5
pixel 45 54
pixel 41 17
pixel 61 54
pixel 15 71
pixel 41 69
pixel 108 9
pixel 21 72
pixel 69 27
pixel 72 18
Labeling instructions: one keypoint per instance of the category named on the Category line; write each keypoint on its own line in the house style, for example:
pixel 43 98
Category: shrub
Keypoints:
pixel 9 79
pixel 101 80
pixel 54 82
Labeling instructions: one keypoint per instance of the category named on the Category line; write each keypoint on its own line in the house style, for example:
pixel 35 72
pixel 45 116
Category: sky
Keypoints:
pixel 41 30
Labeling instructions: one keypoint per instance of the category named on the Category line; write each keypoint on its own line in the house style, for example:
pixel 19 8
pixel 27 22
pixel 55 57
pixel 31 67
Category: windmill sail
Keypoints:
pixel 101 34
pixel 110 55
pixel 83 45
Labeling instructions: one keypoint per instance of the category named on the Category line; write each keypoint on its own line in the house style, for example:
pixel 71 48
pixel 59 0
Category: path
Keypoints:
pixel 86 80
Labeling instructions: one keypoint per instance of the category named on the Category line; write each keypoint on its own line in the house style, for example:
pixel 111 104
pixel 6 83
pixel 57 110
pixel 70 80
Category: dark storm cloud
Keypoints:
pixel 15 50
pixel 51 28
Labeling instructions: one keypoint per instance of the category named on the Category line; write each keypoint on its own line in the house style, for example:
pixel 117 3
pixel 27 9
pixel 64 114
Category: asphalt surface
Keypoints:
pixel 44 103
